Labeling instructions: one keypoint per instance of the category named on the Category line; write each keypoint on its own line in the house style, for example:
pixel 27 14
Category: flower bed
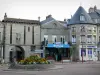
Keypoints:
pixel 33 62
pixel 34 59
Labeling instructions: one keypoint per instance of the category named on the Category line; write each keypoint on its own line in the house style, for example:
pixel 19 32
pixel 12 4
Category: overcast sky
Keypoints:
pixel 31 9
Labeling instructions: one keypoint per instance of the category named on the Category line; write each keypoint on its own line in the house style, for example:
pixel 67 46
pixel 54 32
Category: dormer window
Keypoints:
pixel 82 18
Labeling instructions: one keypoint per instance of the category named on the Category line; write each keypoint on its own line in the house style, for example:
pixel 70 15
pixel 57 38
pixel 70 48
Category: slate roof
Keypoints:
pixel 15 20
pixel 94 15
pixel 47 20
pixel 63 22
pixel 76 18
pixel 98 11
pixel 50 18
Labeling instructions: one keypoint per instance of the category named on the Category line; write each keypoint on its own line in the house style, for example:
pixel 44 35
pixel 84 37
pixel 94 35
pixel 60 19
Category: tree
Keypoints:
pixel 73 48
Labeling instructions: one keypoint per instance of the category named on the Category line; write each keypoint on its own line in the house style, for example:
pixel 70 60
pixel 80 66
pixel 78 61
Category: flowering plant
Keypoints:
pixel 34 59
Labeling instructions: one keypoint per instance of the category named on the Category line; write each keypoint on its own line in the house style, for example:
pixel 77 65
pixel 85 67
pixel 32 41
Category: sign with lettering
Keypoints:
pixel 92 46
pixel 58 45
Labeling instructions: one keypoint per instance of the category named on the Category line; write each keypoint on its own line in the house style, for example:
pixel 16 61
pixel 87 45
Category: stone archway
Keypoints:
pixel 19 54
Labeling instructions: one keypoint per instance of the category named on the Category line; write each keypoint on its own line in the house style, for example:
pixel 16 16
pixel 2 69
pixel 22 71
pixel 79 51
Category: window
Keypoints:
pixel 99 38
pixel 94 52
pixel 96 20
pixel 73 38
pixel 73 29
pixel 32 48
pixel 45 39
pixel 54 38
pixel 90 52
pixel 89 30
pixel 11 34
pixel 18 37
pixel 89 38
pixel 62 39
pixel 32 34
pixel 94 29
pixel 82 28
pixel 28 29
pixel 24 34
pixel 83 39
pixel 82 18
pixel 83 51
pixel 94 38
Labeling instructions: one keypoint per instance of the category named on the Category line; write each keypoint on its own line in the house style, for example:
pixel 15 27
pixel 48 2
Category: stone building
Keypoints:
pixel 54 36
pixel 20 38
pixel 83 31
pixel 95 15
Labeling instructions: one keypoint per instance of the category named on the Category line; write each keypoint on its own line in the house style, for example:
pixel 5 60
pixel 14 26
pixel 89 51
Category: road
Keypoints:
pixel 66 69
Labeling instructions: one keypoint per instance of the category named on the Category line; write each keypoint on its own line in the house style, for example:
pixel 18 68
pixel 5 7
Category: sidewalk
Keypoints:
pixel 87 62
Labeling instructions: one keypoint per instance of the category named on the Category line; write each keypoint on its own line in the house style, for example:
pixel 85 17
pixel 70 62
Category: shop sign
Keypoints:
pixel 91 46
pixel 58 45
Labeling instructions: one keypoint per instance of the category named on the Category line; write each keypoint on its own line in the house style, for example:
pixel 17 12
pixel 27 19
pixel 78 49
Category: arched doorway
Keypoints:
pixel 19 54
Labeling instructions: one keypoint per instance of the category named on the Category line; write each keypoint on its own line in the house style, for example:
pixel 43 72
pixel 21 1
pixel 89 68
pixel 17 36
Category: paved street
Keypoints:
pixel 91 68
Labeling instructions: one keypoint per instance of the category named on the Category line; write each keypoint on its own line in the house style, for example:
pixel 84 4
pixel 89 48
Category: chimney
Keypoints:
pixel 48 16
pixel 5 16
pixel 95 8
pixel 91 10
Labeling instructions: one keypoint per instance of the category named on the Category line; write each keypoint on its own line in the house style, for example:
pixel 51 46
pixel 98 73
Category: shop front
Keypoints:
pixel 89 53
pixel 57 51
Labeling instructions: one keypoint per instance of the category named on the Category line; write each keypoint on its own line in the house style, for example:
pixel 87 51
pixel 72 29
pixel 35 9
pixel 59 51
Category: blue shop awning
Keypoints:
pixel 58 45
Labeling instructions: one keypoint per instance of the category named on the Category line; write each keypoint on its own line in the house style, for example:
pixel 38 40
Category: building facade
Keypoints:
pixel 20 38
pixel 54 32
pixel 84 32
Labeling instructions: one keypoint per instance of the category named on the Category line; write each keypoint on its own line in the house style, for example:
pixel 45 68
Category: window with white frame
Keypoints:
pixel 83 39
pixel 82 17
pixel 46 39
pixel 62 38
pixel 96 20
pixel 89 30
pixel 82 28
pixel 18 37
pixel 94 52
pixel 73 29
pixel 89 38
pixel 94 29
pixel 94 38
pixel 54 38
pixel 73 38
pixel 90 52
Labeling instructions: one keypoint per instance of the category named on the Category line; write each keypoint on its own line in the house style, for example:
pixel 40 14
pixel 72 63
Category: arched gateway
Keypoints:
pixel 18 53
